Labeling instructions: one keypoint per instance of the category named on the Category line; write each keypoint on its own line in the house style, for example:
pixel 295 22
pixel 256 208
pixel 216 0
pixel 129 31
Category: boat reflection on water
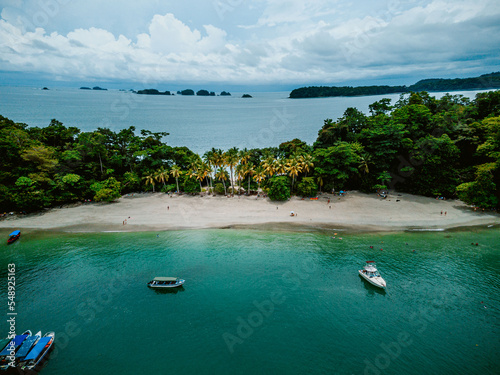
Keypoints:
pixel 169 290
pixel 371 290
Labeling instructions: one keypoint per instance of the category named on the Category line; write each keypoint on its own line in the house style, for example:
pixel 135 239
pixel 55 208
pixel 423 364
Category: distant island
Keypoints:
pixel 205 93
pixel 93 88
pixel 152 92
pixel 246 96
pixel 187 92
pixel 485 81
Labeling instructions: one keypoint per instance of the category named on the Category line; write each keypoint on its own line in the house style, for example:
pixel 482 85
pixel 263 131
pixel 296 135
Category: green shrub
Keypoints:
pixel 279 188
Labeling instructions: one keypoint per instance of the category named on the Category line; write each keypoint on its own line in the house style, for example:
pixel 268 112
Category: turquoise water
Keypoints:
pixel 260 302
pixel 200 123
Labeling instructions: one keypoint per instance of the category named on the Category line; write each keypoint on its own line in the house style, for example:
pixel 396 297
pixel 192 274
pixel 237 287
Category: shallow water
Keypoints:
pixel 260 302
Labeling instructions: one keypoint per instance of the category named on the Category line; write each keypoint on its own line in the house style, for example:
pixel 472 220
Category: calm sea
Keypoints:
pixel 258 302
pixel 200 123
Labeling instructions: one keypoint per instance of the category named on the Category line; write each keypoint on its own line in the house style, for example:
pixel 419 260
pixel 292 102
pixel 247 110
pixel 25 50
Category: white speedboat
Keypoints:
pixel 370 274
pixel 165 282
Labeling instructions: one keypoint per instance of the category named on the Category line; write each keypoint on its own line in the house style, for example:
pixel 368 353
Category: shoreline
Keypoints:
pixel 355 212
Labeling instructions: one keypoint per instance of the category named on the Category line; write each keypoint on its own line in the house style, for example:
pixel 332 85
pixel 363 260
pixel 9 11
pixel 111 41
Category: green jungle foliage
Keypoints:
pixel 422 145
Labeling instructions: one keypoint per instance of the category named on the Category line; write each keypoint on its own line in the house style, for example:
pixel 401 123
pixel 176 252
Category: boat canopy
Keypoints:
pixel 38 348
pixel 165 279
pixel 18 340
pixel 26 346
pixel 370 261
pixel 15 233
pixel 3 343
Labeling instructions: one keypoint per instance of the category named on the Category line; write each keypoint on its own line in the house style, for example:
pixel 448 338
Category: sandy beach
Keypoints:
pixel 159 212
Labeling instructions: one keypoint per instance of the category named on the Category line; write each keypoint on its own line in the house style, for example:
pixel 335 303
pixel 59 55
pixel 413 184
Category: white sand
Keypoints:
pixel 156 212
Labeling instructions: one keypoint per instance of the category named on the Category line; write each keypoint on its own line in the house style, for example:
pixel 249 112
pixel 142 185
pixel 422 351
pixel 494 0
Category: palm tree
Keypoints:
pixel 231 159
pixel 175 171
pixel 245 156
pixel 221 175
pixel 363 163
pixel 162 175
pixel 307 162
pixel 293 167
pixel 199 173
pixel 268 166
pixel 279 167
pixel 319 180
pixel 150 180
pixel 259 175
pixel 249 171
pixel 240 173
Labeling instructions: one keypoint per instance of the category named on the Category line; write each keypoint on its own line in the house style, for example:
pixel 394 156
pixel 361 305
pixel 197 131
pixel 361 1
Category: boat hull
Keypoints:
pixel 377 281
pixel 163 286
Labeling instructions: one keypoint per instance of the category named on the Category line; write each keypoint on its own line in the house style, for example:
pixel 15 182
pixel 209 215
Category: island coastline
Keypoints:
pixel 354 212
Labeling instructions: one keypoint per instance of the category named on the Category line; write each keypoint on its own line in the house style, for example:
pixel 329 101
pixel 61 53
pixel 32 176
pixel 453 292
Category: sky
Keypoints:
pixel 255 43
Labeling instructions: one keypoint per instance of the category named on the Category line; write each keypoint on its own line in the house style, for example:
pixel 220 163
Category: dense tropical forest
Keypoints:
pixel 485 81
pixel 448 147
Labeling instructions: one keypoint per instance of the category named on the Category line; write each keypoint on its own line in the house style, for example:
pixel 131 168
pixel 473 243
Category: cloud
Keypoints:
pixel 289 41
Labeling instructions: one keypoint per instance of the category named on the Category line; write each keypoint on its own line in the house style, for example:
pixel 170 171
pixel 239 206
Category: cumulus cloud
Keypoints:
pixel 289 41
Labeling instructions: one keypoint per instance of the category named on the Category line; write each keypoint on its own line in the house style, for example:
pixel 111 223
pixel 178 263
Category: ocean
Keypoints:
pixel 260 302
pixel 200 123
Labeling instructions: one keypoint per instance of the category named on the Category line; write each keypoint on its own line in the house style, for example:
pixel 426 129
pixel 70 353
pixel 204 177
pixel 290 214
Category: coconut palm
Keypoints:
pixel 259 175
pixel 280 167
pixel 268 166
pixel 240 173
pixel 249 171
pixel 175 171
pixel 231 160
pixel 150 180
pixel 221 175
pixel 293 168
pixel 307 162
pixel 208 158
pixel 319 180
pixel 162 175
pixel 363 163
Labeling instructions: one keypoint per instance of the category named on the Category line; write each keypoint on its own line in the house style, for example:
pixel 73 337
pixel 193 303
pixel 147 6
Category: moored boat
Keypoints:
pixel 13 236
pixel 165 282
pixel 371 274
pixel 38 352
pixel 23 350
pixel 12 347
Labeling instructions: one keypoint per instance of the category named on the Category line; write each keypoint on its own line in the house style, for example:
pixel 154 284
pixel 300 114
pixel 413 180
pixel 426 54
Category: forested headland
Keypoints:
pixel 485 81
pixel 448 147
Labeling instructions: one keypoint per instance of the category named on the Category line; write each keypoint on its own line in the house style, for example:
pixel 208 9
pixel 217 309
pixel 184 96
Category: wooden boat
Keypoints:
pixel 12 347
pixel 13 236
pixel 370 274
pixel 165 282
pixel 38 352
pixel 23 350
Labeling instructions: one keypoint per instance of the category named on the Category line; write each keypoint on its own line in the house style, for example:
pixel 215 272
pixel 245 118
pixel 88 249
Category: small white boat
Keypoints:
pixel 370 274
pixel 165 282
